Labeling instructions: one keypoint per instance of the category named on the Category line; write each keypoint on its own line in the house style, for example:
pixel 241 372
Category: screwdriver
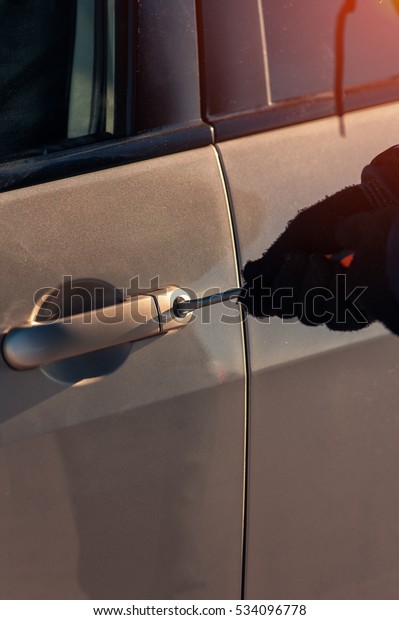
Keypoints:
pixel 180 307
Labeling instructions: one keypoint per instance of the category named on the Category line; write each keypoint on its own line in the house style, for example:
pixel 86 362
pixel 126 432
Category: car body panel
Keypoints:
pixel 323 427
pixel 129 486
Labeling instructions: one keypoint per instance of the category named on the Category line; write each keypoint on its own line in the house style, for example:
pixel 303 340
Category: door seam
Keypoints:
pixel 247 370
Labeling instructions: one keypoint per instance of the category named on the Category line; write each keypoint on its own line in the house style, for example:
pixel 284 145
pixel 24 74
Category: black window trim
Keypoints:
pixel 301 110
pixel 101 155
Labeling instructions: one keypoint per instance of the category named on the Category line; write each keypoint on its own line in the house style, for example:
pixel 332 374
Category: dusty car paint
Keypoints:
pixel 323 505
pixel 130 486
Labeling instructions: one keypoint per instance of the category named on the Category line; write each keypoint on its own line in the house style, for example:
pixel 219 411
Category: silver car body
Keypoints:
pixel 222 460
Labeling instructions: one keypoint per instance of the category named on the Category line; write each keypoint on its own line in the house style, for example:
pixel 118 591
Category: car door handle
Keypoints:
pixel 134 319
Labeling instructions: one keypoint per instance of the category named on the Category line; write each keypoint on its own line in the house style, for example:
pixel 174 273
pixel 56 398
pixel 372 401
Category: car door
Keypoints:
pixel 322 503
pixel 122 472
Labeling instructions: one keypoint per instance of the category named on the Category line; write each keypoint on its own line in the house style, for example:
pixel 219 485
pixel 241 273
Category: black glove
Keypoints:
pixel 295 279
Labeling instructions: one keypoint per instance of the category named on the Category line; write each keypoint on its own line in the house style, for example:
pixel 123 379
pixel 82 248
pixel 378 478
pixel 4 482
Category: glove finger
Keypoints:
pixel 259 284
pixel 348 305
pixel 317 291
pixel 268 294
pixel 326 299
pixel 287 284
pixel 256 296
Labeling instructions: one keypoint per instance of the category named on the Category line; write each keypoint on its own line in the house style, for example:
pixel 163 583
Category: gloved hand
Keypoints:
pixel 295 279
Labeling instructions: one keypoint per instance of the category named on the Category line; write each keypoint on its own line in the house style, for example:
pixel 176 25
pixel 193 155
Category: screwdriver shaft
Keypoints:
pixel 182 307
pixel 194 304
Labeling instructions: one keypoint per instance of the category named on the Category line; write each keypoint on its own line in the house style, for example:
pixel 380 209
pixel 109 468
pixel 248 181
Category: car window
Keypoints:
pixel 300 37
pixel 277 59
pixel 113 81
pixel 91 97
pixel 233 61
pixel 57 74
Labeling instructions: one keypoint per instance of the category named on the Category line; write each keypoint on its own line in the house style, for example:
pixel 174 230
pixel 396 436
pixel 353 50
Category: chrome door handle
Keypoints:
pixel 134 319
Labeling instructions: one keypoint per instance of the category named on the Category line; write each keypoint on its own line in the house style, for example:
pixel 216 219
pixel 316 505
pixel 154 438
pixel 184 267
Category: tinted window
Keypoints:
pixel 260 52
pixel 82 71
pixel 233 62
pixel 56 78
pixel 301 49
